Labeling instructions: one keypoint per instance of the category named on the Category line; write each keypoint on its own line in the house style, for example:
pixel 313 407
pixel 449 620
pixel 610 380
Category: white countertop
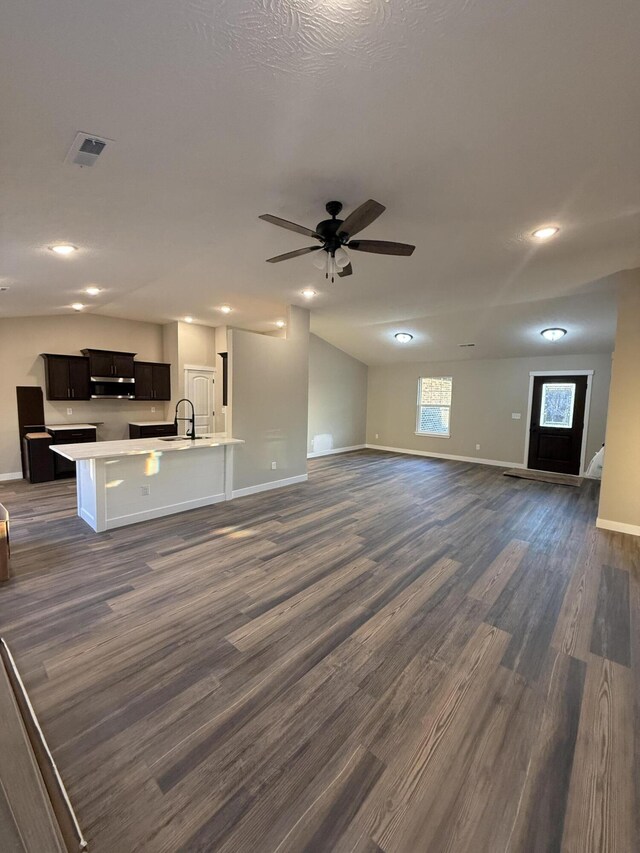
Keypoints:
pixel 150 423
pixel 71 426
pixel 138 446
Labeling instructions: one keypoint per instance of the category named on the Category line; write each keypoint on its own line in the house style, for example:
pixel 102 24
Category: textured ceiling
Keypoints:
pixel 473 122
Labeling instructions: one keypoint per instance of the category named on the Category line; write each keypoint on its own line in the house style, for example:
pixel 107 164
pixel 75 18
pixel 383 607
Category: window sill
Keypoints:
pixel 432 435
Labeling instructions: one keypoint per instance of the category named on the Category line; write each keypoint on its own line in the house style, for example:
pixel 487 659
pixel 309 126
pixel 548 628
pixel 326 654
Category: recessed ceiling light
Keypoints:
pixel 188 319
pixel 64 249
pixel 226 309
pixel 308 293
pixel 77 306
pixel 546 232
pixel 553 334
pixel 92 291
pixel 280 324
pixel 403 337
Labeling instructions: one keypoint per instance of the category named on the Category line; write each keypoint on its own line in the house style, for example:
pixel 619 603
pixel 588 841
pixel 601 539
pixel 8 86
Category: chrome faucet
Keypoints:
pixel 192 419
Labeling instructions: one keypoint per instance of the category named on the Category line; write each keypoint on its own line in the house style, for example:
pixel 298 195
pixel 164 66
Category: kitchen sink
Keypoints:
pixel 183 438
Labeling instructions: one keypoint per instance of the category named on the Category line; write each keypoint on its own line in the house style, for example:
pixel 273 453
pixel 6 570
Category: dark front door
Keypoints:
pixel 557 423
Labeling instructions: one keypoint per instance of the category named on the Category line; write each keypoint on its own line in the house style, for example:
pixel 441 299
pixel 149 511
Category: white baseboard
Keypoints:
pixel 17 475
pixel 498 463
pixel 335 450
pixel 161 511
pixel 618 526
pixel 265 487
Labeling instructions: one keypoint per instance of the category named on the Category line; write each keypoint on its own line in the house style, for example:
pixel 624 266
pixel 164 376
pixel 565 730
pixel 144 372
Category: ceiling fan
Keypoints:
pixel 335 236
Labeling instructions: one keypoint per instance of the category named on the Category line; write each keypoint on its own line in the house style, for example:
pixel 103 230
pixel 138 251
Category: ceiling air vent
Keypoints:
pixel 86 149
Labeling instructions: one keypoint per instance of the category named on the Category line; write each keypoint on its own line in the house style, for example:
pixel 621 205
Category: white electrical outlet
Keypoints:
pixel 477 447
pixel 145 490
pixel 377 436
pixel 69 411
pixel 153 408
pixel 274 465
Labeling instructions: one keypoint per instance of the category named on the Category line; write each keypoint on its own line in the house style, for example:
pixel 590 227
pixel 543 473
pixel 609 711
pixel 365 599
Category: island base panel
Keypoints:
pixel 118 492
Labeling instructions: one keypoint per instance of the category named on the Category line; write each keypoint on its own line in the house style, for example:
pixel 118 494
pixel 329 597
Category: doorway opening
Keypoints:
pixel 558 420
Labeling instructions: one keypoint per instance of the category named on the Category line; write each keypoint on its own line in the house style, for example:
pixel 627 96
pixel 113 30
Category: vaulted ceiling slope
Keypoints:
pixel 473 122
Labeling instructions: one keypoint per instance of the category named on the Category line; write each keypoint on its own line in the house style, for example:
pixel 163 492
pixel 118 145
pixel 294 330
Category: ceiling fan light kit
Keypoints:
pixel 335 237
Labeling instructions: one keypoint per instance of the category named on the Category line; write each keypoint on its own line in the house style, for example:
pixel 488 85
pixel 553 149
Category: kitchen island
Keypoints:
pixel 124 482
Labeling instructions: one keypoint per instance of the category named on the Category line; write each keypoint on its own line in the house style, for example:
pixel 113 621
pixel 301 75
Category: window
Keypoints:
pixel 434 405
pixel 556 407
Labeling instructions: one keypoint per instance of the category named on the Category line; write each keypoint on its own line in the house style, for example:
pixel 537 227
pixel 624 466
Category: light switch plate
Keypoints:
pixel 153 408
pixel 516 416
pixel 69 411
pixel 274 465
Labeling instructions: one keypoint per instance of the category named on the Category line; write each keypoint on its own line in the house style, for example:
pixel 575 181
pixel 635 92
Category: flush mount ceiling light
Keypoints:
pixel 545 233
pixel 308 293
pixel 403 337
pixel 77 306
pixel 553 334
pixel 280 324
pixel 188 319
pixel 92 290
pixel 64 249
pixel 226 309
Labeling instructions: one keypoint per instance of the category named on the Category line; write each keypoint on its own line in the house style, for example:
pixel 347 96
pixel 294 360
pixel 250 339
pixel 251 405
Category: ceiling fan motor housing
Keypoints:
pixel 328 228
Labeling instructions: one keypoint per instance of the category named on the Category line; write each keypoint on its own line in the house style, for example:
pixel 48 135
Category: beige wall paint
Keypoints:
pixel 269 383
pixel 22 339
pixel 170 355
pixel 485 393
pixel 197 345
pixel 337 397
pixel 620 493
pixel 186 343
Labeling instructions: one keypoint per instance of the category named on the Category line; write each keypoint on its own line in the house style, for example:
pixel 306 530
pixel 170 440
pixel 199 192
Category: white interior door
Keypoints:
pixel 198 384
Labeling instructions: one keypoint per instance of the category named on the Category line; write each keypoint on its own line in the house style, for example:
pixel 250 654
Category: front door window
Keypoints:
pixel 556 405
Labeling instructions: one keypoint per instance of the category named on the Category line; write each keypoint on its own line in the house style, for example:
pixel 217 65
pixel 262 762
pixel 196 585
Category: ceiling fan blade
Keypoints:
pixel 345 271
pixel 381 247
pixel 290 226
pixel 359 218
pixel 295 254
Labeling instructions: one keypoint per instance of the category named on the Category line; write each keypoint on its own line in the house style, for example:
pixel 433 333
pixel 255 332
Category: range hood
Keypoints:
pixel 112 388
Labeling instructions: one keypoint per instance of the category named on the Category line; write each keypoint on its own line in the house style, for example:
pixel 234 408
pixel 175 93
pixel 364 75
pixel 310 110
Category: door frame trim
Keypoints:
pixel 587 407
pixel 207 367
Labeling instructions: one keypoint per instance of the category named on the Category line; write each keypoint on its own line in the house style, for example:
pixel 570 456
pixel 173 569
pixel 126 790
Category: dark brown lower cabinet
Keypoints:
pixel 64 467
pixel 152 430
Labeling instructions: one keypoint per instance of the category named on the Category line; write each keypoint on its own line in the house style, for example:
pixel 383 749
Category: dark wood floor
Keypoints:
pixel 404 654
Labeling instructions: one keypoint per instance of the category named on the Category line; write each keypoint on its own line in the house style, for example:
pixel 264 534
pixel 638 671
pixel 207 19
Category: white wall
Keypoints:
pixel 337 398
pixel 485 393
pixel 269 382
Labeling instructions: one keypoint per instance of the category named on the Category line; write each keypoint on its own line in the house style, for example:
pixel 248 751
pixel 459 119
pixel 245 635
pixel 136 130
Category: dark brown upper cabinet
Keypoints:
pixel 153 380
pixel 67 377
pixel 104 364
